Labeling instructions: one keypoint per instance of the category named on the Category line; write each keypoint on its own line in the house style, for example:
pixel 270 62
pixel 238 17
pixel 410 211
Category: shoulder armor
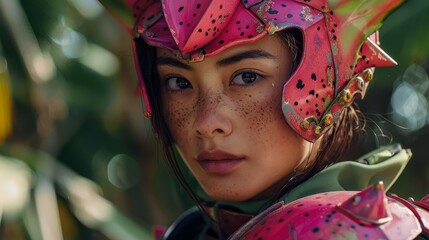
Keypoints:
pixel 368 214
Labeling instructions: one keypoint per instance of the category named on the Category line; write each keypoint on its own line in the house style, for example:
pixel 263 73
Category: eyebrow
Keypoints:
pixel 172 62
pixel 251 54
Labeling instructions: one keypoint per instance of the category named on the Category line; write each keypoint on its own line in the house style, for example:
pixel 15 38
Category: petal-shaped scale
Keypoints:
pixel 368 206
pixel 244 27
pixel 146 17
pixel 281 14
pixel 310 90
pixel 159 35
pixel 357 20
pixel 193 24
pixel 371 55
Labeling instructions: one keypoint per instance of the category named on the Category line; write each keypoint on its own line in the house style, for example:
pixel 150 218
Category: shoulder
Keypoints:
pixel 369 214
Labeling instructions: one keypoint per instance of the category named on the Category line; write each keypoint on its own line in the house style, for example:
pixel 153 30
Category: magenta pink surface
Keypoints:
pixel 339 215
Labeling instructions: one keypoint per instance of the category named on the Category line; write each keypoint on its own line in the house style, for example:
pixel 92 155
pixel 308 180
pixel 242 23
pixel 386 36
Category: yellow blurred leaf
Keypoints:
pixel 5 102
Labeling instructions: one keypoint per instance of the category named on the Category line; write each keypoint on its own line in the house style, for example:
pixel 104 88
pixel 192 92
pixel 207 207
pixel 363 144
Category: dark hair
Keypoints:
pixel 146 57
pixel 335 142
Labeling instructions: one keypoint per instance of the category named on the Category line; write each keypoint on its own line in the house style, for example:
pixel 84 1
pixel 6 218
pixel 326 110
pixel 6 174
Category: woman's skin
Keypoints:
pixel 224 114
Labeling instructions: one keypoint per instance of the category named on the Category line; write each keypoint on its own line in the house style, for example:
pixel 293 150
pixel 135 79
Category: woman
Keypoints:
pixel 252 102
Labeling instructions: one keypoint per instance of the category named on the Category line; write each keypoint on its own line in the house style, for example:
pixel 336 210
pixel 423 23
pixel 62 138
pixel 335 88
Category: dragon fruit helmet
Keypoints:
pixel 340 45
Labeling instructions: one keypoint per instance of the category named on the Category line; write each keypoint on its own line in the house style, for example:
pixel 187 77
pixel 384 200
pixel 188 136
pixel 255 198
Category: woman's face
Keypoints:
pixel 225 116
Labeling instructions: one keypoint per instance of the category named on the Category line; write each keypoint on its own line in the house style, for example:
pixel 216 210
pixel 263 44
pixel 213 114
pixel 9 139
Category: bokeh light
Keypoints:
pixel 409 100
pixel 123 171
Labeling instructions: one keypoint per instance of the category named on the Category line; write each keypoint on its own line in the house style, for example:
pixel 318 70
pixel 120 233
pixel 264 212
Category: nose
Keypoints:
pixel 213 117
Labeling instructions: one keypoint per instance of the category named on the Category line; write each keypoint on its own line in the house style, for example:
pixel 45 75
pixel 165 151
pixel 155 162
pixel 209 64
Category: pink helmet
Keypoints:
pixel 368 214
pixel 340 48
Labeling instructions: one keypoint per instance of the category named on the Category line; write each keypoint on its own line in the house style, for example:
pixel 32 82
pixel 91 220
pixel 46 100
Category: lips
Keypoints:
pixel 218 162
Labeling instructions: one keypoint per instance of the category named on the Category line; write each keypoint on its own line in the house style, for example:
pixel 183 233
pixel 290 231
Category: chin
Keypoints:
pixel 229 196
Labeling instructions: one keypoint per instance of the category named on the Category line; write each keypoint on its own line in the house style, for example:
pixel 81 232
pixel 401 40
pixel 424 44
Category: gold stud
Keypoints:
pixel 305 125
pixel 147 115
pixel 328 119
pixel 317 130
pixel 368 75
pixel 347 96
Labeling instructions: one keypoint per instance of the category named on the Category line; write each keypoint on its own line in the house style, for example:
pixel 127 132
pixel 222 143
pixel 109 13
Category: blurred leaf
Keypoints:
pixel 5 101
pixel 405 36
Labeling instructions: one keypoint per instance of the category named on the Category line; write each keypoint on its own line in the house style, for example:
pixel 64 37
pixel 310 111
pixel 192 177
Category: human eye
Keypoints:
pixel 177 83
pixel 245 78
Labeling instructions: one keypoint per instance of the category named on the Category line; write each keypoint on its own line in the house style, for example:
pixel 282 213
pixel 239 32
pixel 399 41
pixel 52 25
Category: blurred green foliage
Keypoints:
pixel 405 36
pixel 84 113
pixel 82 110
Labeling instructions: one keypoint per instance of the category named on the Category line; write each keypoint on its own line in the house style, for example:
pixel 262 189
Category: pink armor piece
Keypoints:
pixel 368 214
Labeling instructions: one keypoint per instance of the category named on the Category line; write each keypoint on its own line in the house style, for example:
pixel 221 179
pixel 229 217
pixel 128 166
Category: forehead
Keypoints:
pixel 272 44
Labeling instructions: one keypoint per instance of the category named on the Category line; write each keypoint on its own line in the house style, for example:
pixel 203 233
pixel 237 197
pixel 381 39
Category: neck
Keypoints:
pixel 226 219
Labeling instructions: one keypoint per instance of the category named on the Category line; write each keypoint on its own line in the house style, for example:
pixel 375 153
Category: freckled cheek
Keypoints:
pixel 178 117
pixel 259 112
